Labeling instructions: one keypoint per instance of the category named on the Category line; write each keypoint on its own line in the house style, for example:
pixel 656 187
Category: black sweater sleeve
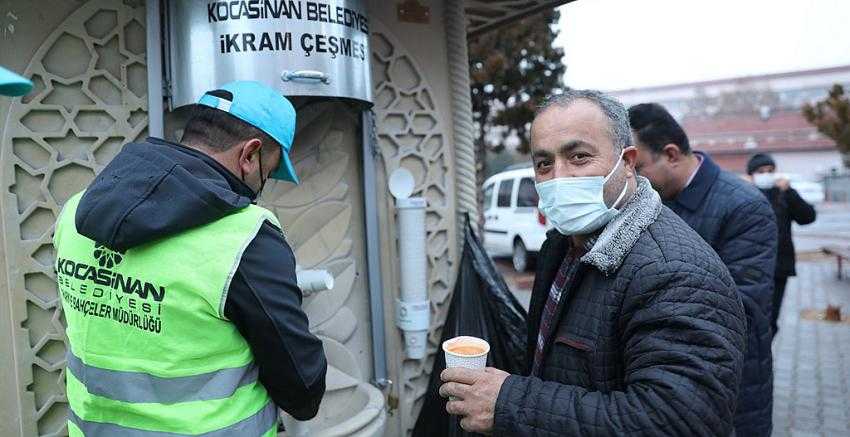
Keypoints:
pixel 264 302
pixel 800 211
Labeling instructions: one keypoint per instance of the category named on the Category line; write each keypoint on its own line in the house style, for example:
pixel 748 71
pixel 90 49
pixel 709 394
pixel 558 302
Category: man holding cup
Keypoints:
pixel 635 325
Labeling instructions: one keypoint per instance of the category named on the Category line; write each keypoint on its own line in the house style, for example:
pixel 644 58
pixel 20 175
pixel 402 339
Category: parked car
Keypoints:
pixel 513 227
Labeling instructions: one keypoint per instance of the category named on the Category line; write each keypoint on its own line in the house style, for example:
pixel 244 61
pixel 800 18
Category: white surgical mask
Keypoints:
pixel 576 206
pixel 764 180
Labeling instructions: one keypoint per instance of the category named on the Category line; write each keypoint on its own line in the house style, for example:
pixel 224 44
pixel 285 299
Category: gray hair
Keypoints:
pixel 618 117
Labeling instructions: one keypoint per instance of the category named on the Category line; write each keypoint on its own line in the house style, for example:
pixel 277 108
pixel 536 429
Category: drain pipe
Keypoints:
pixel 154 64
pixel 373 250
pixel 313 281
pixel 413 309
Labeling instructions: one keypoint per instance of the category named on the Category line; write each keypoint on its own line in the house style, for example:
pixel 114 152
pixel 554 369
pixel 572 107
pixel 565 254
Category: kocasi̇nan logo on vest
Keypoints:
pixel 103 275
pixel 107 257
pixel 93 289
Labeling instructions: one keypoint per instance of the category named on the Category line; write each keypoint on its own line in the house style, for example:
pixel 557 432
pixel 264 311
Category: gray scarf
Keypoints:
pixel 622 232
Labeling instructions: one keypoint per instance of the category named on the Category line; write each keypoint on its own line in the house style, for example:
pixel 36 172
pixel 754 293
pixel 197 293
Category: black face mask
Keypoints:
pixel 262 180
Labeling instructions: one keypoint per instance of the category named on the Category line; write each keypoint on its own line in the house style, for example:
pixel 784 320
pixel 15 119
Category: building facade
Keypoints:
pixel 734 118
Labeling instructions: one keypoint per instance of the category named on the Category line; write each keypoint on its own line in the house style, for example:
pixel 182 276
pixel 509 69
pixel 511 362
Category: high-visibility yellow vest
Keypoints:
pixel 151 353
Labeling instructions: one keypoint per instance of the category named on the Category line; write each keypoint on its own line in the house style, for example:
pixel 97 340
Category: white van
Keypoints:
pixel 512 225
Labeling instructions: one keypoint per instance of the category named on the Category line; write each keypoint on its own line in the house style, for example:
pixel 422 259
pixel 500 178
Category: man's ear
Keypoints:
pixel 630 155
pixel 249 151
pixel 249 155
pixel 672 153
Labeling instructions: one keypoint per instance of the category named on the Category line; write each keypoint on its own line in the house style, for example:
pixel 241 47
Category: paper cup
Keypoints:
pixel 476 361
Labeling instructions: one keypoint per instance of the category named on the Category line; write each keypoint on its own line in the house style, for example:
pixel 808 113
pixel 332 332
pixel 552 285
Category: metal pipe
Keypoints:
pixel 313 281
pixel 154 64
pixel 373 251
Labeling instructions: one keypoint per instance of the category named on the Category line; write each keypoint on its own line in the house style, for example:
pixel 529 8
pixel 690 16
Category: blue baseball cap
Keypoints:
pixel 264 108
pixel 12 84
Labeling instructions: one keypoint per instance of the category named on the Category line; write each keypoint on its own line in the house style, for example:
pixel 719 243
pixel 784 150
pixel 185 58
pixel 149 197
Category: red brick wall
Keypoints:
pixel 733 163
pixel 730 138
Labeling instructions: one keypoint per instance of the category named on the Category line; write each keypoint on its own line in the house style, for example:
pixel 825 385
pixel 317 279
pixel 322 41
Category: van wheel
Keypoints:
pixel 520 256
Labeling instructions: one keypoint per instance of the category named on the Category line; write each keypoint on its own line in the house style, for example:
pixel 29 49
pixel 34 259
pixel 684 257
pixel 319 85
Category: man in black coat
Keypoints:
pixel 635 326
pixel 737 221
pixel 789 207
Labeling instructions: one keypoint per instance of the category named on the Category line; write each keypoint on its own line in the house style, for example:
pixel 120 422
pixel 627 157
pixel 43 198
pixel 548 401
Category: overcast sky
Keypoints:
pixel 618 44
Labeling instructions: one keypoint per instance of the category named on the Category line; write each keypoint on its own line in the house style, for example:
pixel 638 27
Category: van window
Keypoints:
pixel 488 197
pixel 527 195
pixel 505 189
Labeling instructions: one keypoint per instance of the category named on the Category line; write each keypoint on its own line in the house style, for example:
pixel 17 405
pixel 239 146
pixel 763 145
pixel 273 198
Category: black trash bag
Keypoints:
pixel 484 307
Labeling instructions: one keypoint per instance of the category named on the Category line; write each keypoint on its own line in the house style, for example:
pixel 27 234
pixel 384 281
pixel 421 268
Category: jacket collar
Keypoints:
pixel 620 234
pixel 237 185
pixel 692 196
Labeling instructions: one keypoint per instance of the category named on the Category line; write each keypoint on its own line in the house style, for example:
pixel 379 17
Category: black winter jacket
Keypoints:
pixel 788 207
pixel 737 221
pixel 648 342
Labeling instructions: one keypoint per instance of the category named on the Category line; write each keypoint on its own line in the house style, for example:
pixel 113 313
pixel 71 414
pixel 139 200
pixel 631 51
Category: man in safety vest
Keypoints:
pixel 180 294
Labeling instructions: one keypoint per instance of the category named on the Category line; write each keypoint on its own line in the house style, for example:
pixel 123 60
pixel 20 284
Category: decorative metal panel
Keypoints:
pixel 90 99
pixel 411 134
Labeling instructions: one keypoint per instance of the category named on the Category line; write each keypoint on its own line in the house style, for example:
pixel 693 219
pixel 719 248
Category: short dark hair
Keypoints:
pixel 217 130
pixel 618 121
pixel 656 128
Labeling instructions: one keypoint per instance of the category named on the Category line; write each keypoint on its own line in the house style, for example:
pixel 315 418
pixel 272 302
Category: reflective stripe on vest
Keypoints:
pixel 256 425
pixel 151 352
pixel 138 387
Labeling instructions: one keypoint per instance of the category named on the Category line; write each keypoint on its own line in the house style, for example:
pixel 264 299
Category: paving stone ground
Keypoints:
pixel 812 358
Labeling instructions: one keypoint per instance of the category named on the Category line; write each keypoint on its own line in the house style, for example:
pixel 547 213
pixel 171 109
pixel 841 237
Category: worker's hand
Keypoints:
pixel 475 393
pixel 783 184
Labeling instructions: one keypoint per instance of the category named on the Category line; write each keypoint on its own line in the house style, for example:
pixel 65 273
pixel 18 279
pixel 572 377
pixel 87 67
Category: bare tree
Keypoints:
pixel 831 117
